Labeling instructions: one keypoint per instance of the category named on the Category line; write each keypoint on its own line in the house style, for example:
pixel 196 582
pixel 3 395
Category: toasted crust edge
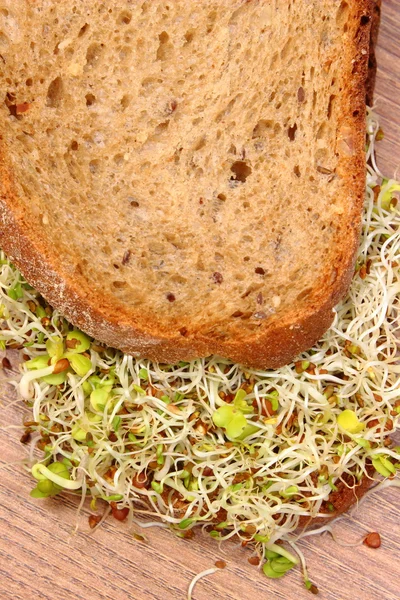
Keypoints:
pixel 272 348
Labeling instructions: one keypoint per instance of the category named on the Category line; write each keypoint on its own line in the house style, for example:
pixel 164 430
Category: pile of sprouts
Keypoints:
pixel 239 452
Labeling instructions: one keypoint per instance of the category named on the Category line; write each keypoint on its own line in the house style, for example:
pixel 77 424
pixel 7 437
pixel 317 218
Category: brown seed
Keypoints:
pixel 170 297
pixel 363 272
pixel 217 277
pixel 119 513
pixel 254 560
pixel 126 258
pixel 188 534
pixel 259 271
pixel 314 590
pixel 140 481
pixel 61 365
pixel 45 321
pixel 389 425
pixel 251 529
pixel 301 95
pixel 25 437
pixel 372 540
pixel 220 564
pixel 32 306
pixel 207 472
pixel 94 520
pixel 72 344
pixel 6 363
pixel 31 423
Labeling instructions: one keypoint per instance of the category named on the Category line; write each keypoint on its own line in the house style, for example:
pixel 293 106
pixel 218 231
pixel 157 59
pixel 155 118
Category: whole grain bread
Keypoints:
pixel 182 179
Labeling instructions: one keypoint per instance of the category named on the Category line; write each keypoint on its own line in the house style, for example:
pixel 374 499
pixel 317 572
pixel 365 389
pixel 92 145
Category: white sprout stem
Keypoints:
pixel 28 376
pixel 197 578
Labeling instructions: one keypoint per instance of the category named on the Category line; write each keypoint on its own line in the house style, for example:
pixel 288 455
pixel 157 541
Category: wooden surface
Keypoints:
pixel 42 559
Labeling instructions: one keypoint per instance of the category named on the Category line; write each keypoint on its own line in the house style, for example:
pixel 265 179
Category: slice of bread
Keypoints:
pixel 181 179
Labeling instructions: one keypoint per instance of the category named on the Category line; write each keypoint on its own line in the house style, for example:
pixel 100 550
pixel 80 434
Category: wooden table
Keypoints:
pixel 41 558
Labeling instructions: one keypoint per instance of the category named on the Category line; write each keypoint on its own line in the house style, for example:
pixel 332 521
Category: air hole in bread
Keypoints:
pixel 330 106
pixel 90 99
pixel 83 29
pixel 55 93
pixel 74 145
pixel 93 55
pixel 165 47
pixel 94 166
pixel 241 171
pixel 29 82
pixel 125 101
pixel 189 35
pixel 263 128
pixel 119 284
pixel 247 238
pixel 118 159
pixel 200 143
pixel 296 171
pixel 292 132
pixel 125 17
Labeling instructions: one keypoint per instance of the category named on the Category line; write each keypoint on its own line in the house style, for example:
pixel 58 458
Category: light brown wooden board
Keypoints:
pixel 42 559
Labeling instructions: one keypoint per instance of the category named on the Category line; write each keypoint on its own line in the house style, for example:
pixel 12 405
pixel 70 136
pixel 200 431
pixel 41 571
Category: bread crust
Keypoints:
pixel 274 346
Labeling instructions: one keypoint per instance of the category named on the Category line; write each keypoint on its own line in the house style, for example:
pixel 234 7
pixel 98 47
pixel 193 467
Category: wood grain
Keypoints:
pixel 41 558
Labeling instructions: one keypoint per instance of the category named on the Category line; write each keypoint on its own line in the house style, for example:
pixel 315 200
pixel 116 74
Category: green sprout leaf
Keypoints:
pixel 40 362
pixel 143 374
pixel 55 379
pixel 292 490
pixel 77 342
pixel 383 465
pixel 80 364
pixel 233 421
pixel 185 523
pixel 55 348
pixel 240 403
pixel 98 398
pixel 46 488
pixel 116 423
pixel 348 421
pixel 386 194
pixel 16 292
